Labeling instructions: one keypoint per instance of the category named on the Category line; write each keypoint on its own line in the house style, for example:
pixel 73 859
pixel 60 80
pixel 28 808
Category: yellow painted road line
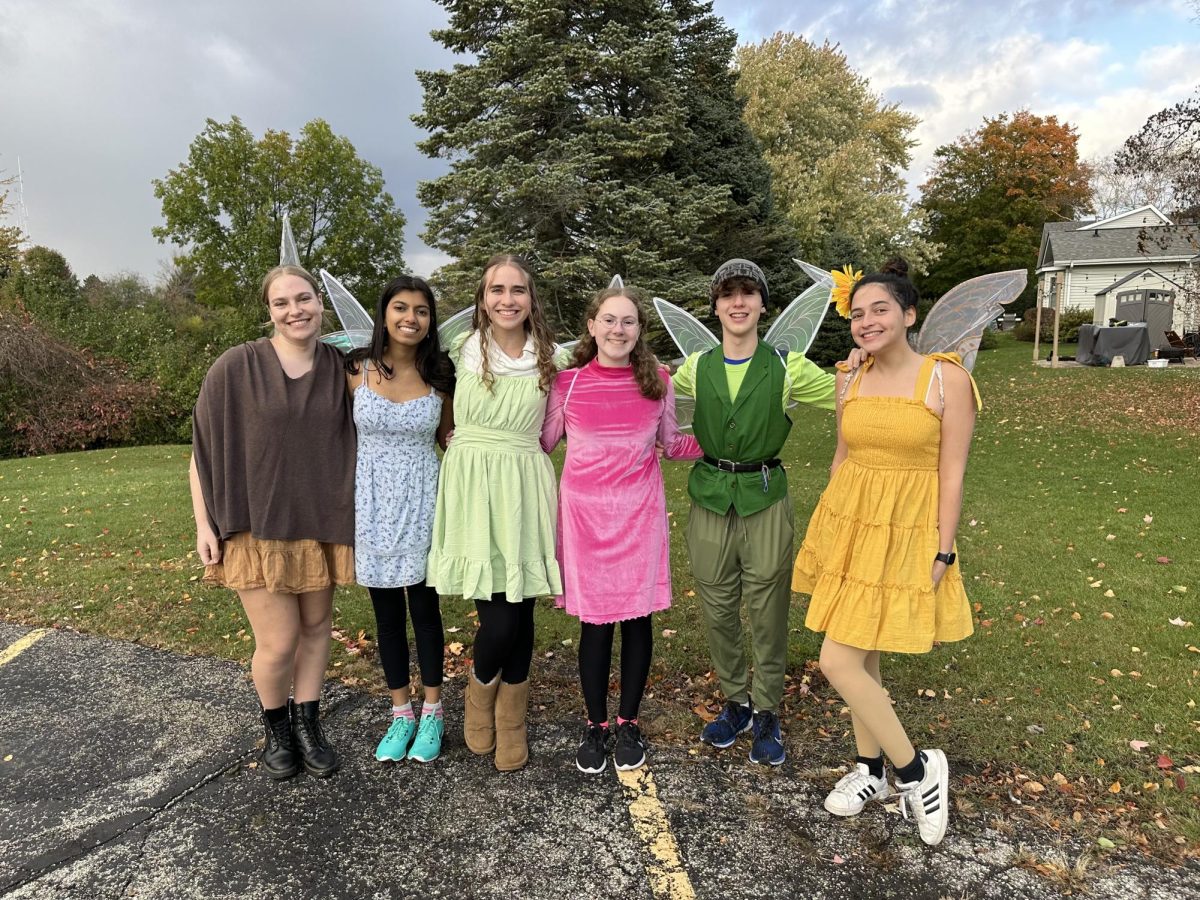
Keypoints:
pixel 668 879
pixel 22 644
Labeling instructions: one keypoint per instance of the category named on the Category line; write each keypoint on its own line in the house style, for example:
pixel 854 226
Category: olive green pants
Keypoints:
pixel 736 559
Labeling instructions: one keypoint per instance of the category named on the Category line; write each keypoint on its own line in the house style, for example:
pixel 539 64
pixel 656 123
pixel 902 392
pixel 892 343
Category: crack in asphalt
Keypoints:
pixel 104 834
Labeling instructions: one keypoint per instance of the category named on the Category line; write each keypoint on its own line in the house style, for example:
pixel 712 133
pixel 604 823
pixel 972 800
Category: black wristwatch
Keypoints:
pixel 947 558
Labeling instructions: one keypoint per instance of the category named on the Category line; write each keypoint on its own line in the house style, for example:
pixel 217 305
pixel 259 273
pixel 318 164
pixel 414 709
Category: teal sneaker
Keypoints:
pixel 395 743
pixel 428 744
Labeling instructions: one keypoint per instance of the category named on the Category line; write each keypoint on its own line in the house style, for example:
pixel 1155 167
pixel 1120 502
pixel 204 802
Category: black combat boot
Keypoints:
pixel 278 757
pixel 320 759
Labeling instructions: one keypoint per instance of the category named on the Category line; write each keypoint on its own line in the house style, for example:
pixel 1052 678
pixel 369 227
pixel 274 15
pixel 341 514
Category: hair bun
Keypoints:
pixel 896 266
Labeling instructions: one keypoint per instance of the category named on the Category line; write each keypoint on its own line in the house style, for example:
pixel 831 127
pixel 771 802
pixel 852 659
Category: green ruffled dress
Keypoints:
pixel 497 501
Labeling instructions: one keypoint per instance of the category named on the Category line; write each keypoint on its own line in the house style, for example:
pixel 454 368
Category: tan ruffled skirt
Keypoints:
pixel 282 567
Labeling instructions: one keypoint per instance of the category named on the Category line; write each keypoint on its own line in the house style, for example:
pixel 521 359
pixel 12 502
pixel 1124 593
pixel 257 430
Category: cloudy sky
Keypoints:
pixel 98 97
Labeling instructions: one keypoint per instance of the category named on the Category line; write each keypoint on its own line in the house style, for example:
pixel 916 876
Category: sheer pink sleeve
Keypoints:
pixel 555 424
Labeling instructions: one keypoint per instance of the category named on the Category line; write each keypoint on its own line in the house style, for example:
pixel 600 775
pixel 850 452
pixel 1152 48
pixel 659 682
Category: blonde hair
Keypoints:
pixel 280 271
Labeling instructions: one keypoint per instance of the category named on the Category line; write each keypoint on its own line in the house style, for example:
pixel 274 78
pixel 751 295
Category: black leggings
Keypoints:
pixel 393 636
pixel 595 657
pixel 504 641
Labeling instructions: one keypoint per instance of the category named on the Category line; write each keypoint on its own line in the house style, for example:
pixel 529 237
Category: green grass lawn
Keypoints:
pixel 1079 543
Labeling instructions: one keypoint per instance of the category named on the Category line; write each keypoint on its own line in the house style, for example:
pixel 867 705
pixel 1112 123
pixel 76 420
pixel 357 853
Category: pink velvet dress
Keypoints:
pixel 613 535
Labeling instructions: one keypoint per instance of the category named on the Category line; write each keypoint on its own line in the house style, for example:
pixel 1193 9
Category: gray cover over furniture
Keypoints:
pixel 1099 344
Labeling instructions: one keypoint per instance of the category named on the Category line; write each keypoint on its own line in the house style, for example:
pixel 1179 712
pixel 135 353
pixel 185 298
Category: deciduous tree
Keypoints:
pixel 1168 146
pixel 991 191
pixel 224 205
pixel 836 150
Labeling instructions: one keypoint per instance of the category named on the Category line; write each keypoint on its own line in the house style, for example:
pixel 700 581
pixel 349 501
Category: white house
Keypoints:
pixel 1138 266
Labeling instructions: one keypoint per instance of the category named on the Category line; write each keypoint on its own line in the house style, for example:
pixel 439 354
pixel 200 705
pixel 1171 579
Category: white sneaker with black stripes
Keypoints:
pixel 929 798
pixel 855 790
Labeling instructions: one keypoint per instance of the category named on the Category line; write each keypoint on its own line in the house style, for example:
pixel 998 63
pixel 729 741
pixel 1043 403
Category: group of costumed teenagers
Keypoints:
pixel 313 468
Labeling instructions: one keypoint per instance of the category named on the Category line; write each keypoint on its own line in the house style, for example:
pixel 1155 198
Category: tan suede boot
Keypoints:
pixel 479 714
pixel 512 746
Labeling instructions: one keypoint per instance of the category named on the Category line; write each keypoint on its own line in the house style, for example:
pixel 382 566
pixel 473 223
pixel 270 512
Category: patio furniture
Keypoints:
pixel 1178 343
pixel 1099 344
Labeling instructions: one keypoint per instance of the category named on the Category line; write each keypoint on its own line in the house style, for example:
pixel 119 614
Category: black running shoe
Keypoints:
pixel 630 752
pixel 592 755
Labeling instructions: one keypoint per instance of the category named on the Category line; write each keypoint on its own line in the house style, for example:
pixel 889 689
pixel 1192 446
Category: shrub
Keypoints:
pixel 1068 324
pixel 54 397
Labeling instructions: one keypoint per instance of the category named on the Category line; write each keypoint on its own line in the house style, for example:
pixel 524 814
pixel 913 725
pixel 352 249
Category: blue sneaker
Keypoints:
pixel 723 730
pixel 768 740
pixel 395 743
pixel 428 743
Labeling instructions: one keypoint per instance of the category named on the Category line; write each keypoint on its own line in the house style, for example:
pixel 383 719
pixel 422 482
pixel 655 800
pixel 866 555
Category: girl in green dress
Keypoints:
pixel 494 525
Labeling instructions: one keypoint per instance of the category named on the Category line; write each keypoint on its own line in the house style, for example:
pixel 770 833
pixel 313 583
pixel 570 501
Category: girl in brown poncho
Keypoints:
pixel 272 479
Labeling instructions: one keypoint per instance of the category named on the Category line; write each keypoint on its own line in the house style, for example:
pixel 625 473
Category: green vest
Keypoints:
pixel 751 428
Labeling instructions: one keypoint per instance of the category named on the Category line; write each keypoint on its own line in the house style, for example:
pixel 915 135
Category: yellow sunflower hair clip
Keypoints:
pixel 843 283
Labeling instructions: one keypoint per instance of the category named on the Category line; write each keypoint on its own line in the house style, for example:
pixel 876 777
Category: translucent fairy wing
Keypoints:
pixel 457 324
pixel 349 311
pixel 795 327
pixel 617 282
pixel 956 322
pixel 685 411
pixel 689 333
pixel 348 340
pixel 288 254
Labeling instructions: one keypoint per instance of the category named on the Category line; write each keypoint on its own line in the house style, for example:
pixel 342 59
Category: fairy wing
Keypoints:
pixel 685 411
pixel 689 333
pixel 288 254
pixel 956 322
pixel 457 324
pixel 795 328
pixel 356 321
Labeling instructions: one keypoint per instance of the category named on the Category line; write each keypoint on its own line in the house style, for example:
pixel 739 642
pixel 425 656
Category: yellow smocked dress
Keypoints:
pixel 867 557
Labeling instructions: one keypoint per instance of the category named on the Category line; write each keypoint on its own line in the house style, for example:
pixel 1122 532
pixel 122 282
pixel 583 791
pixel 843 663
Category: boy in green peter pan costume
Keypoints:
pixel 739 531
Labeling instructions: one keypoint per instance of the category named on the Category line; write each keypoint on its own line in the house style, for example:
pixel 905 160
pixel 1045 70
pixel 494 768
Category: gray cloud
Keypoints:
pixel 101 96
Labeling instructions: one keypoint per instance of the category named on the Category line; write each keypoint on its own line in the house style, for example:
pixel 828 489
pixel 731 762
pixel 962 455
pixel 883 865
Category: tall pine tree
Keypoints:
pixel 584 136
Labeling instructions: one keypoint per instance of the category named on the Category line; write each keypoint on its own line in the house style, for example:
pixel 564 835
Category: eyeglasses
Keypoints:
pixel 613 321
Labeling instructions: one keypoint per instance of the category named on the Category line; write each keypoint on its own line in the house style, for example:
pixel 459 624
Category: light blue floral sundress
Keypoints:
pixel 395 486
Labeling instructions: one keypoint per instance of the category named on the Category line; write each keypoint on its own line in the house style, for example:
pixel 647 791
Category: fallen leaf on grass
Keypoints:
pixel 702 711
pixel 1164 761
pixel 1106 615
pixel 837 859
pixel 1139 746
pixel 1179 588
pixel 1109 593
pixel 1180 622
pixel 455 648
pixel 668 632
pixel 1164 560
pixel 1105 843
pixel 1115 787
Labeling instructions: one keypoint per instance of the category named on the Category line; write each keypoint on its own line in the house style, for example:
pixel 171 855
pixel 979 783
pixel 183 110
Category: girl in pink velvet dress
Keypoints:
pixel 614 405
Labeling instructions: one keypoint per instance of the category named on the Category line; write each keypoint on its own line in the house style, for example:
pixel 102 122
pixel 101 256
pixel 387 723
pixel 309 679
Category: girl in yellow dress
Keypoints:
pixel 879 554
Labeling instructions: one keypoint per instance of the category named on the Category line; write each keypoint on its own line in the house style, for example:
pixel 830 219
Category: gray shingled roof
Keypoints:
pixel 1063 242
